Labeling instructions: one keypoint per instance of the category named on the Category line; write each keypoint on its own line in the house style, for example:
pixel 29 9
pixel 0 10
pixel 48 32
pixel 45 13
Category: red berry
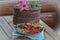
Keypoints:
pixel 35 25
pixel 32 25
pixel 28 24
pixel 25 26
pixel 37 30
pixel 31 32
pixel 34 31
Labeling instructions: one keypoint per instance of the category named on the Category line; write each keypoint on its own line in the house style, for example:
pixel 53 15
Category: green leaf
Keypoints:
pixel 41 27
pixel 36 4
pixel 27 31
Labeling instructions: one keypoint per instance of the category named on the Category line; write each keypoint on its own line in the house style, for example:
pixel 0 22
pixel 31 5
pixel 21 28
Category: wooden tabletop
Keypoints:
pixel 50 34
pixel 6 27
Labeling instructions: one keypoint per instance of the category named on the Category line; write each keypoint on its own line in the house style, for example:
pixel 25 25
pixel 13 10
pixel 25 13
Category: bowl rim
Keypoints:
pixel 27 34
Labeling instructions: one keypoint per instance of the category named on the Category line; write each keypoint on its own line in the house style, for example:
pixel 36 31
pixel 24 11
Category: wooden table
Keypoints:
pixel 6 27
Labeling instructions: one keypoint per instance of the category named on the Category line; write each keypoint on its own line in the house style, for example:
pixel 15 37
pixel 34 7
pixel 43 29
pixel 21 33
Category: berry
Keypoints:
pixel 37 31
pixel 31 32
pixel 25 26
pixel 28 24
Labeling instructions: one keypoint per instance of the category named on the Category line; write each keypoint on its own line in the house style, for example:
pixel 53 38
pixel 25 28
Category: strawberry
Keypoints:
pixel 37 30
pixel 36 26
pixel 32 25
pixel 34 31
pixel 28 24
pixel 31 32
pixel 25 26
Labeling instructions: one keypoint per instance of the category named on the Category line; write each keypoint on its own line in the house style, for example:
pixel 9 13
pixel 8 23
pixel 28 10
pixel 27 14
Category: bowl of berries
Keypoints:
pixel 29 28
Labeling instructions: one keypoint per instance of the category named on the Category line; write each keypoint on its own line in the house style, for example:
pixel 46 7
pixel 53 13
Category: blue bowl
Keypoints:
pixel 20 27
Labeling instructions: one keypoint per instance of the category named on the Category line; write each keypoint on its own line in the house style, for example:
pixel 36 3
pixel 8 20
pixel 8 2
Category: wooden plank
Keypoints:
pixel 50 31
pixel 48 37
pixel 9 20
pixel 5 26
pixel 3 36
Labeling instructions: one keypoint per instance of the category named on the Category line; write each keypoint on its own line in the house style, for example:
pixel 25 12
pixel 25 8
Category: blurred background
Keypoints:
pixel 50 12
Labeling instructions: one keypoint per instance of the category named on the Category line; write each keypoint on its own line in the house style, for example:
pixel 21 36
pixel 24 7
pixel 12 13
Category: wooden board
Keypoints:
pixel 9 20
pixel 6 27
pixel 48 31
pixel 3 35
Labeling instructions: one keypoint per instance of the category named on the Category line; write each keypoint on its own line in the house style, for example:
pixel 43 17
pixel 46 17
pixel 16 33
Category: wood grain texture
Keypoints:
pixel 3 36
pixel 49 18
pixel 5 29
pixel 9 20
pixel 50 32
pixel 5 26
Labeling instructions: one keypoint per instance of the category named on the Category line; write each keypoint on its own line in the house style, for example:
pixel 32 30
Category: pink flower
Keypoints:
pixel 21 8
pixel 27 8
pixel 23 5
pixel 22 0
pixel 18 5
